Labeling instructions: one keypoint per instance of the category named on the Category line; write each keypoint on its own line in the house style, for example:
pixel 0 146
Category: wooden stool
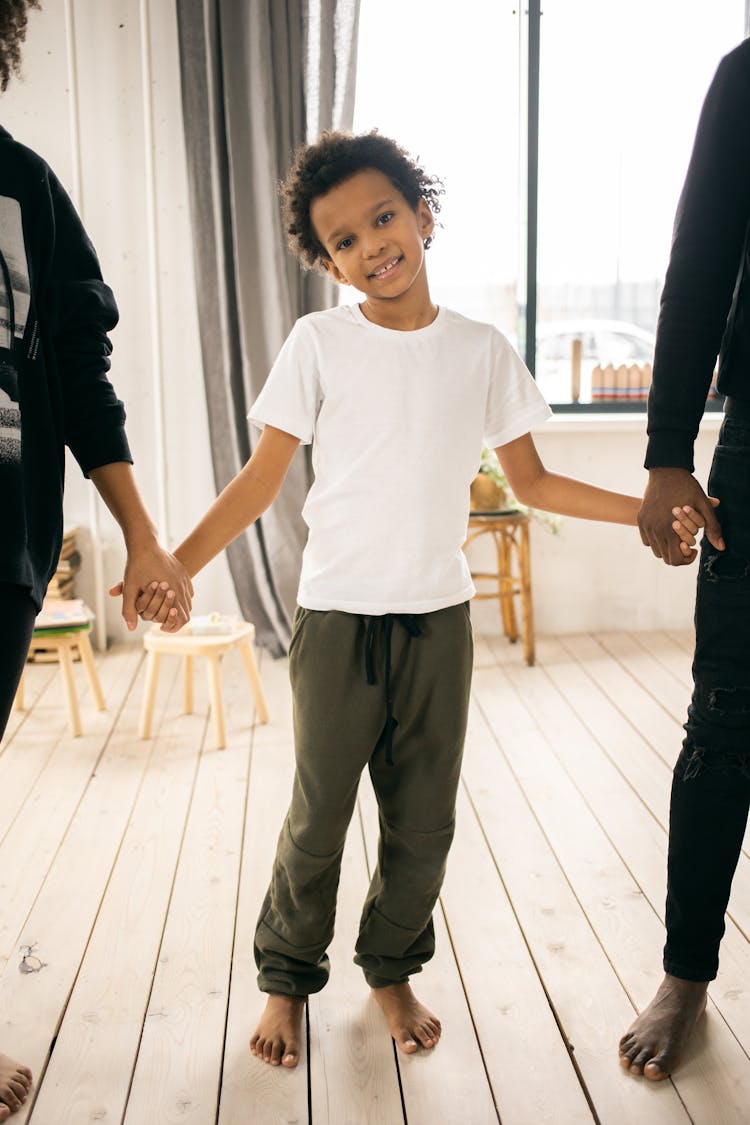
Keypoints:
pixel 510 532
pixel 212 646
pixel 65 643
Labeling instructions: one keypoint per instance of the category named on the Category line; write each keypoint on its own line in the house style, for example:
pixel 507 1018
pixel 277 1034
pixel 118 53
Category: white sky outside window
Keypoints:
pixel 622 84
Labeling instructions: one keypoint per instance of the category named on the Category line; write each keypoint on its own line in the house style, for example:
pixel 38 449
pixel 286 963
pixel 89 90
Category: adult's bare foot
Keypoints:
pixel 277 1036
pixel 655 1042
pixel 409 1022
pixel 15 1083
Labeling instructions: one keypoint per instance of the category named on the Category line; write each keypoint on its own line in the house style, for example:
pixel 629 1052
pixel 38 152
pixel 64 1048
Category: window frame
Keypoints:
pixel 530 31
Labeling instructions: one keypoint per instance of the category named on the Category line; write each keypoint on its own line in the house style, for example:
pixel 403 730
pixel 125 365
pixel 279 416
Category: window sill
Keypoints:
pixel 587 423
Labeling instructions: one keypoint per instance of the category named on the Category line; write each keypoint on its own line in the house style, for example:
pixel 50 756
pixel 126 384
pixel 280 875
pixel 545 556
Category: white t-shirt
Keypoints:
pixel 398 420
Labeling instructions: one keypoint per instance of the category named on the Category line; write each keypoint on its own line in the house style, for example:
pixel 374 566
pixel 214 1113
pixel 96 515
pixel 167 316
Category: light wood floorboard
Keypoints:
pixel 132 873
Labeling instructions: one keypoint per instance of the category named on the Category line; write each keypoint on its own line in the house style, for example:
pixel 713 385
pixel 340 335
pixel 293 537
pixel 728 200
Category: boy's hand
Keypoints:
pixel 666 489
pixel 168 602
pixel 687 523
pixel 156 603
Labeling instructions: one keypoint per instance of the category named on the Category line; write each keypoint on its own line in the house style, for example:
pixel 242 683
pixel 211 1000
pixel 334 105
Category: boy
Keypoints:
pixel 398 395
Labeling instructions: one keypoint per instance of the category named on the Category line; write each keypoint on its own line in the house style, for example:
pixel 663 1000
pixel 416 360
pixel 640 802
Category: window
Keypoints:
pixel 620 84
pixel 620 91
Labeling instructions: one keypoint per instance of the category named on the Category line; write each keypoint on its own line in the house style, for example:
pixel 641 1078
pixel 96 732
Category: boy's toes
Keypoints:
pixel 270 1046
pixel 275 1054
pixel 256 1045
pixel 19 1087
pixel 406 1041
pixel 427 1035
pixel 291 1056
pixel 4 1113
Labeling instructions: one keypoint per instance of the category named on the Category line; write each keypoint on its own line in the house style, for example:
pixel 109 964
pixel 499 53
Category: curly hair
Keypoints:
pixel 13 17
pixel 335 157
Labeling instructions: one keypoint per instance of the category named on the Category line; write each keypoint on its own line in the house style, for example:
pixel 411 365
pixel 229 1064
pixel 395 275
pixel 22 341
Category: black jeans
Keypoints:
pixel 17 614
pixel 711 783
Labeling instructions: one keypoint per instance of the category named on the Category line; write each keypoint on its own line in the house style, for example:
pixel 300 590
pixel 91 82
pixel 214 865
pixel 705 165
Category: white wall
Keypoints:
pixel 101 101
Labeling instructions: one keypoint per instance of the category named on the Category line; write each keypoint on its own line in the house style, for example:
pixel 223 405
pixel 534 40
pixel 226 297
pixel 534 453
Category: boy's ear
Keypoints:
pixel 425 218
pixel 331 268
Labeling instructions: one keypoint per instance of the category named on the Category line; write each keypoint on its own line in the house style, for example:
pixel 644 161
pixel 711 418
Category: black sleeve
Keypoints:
pixel 707 246
pixel 82 312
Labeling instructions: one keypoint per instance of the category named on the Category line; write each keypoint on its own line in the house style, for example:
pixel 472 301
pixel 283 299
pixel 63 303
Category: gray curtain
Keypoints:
pixel 259 77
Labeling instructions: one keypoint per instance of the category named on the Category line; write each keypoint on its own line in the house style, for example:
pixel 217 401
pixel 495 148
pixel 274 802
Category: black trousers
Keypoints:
pixel 17 614
pixel 711 783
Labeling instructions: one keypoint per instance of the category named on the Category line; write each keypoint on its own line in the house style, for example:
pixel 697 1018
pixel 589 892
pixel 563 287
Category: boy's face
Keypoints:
pixel 373 238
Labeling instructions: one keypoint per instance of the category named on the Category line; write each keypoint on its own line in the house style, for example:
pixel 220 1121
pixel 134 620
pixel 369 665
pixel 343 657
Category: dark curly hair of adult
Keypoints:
pixel 334 157
pixel 13 17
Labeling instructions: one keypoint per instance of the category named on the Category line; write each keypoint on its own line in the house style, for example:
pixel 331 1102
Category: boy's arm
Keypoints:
pixel 534 486
pixel 550 492
pixel 242 501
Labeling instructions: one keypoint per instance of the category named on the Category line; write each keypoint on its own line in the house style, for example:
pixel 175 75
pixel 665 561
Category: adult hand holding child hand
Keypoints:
pixel 670 493
pixel 167 601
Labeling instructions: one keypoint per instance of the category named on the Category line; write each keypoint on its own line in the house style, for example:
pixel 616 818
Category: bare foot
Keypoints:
pixel 409 1022
pixel 655 1042
pixel 15 1083
pixel 277 1036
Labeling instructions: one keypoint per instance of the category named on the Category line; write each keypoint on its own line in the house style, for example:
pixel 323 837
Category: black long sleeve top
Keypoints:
pixel 55 313
pixel 705 304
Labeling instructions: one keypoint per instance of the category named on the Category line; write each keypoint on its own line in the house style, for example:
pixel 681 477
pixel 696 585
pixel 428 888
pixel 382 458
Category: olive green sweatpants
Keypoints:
pixel 412 713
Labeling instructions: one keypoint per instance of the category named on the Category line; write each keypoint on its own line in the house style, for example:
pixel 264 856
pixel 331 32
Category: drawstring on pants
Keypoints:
pixel 410 622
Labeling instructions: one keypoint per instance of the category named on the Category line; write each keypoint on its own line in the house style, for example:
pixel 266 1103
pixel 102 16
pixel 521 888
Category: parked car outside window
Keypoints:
pixel 604 342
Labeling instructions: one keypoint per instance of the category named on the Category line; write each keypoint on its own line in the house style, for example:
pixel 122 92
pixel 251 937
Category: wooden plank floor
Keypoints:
pixel 131 874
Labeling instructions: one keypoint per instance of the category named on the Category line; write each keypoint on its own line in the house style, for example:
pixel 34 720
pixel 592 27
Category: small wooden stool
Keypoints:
pixel 212 646
pixel 510 532
pixel 65 643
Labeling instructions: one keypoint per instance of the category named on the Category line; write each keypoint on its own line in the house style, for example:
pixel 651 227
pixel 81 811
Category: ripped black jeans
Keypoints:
pixel 711 784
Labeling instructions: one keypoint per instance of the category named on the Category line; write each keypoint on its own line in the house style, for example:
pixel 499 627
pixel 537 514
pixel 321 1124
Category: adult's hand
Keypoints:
pixel 146 563
pixel 670 488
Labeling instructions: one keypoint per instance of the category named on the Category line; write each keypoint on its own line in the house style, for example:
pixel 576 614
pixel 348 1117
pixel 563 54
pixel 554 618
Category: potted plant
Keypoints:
pixel 490 492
